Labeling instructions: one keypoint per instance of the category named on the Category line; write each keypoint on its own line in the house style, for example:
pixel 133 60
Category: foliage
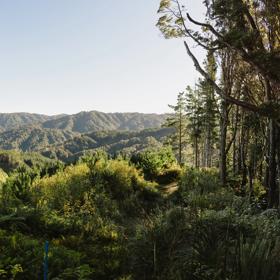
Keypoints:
pixel 107 217
pixel 201 181
pixel 113 142
pixel 66 138
pixel 11 160
pixel 3 176
pixel 83 122
pixel 152 162
pixel 178 121
pixel 169 175
pixel 220 239
pixel 105 221
pixel 81 210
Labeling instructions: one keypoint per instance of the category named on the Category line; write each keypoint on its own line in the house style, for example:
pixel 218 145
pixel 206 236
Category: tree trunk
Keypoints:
pixel 278 163
pixel 196 153
pixel 180 139
pixel 243 155
pixel 223 142
pixel 272 146
pixel 239 155
pixel 208 147
pixel 251 176
pixel 234 155
pixel 273 196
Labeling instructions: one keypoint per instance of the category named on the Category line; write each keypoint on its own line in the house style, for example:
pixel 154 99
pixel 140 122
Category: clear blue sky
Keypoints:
pixel 65 56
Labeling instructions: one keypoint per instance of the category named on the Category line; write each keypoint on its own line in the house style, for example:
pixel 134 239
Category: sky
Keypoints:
pixel 66 56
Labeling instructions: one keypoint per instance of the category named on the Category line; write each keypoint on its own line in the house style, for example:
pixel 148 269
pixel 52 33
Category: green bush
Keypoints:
pixel 199 180
pixel 156 246
pixel 65 186
pixel 105 221
pixel 123 183
pixel 3 176
pixel 153 162
pixel 169 175
pixel 181 244
pixel 17 187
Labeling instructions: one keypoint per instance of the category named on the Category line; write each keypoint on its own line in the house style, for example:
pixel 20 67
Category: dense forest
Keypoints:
pixel 83 122
pixel 189 195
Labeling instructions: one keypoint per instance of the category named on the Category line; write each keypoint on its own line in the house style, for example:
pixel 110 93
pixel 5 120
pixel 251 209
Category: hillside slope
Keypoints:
pixel 113 142
pixel 33 138
pixel 11 160
pixel 16 120
pixel 85 122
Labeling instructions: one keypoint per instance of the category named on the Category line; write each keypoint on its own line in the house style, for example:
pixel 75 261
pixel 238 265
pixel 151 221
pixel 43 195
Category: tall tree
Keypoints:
pixel 178 121
pixel 250 31
pixel 210 106
pixel 195 121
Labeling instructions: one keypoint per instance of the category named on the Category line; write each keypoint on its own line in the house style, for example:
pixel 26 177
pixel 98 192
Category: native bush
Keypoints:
pixel 199 180
pixel 153 162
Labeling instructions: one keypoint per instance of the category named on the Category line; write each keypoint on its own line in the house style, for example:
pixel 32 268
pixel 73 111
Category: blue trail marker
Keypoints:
pixel 46 260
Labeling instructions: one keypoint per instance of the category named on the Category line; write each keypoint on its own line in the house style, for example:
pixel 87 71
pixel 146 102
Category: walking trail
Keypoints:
pixel 169 189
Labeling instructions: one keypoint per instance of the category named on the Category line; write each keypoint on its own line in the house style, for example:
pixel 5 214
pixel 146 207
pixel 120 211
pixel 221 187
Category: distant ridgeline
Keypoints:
pixel 84 122
pixel 66 137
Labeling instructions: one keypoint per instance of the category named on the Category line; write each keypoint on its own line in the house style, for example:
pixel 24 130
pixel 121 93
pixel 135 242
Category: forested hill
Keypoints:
pixel 33 138
pixel 63 144
pixel 67 136
pixel 16 120
pixel 83 122
pixel 113 142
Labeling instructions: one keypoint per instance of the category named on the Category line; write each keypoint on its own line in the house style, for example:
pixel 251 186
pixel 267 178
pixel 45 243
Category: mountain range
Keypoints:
pixel 113 142
pixel 66 137
pixel 83 122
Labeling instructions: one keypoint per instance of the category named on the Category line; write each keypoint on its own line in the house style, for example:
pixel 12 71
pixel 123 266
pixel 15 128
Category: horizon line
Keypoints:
pixel 83 111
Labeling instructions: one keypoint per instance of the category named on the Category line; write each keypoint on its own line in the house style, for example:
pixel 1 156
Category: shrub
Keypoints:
pixel 153 162
pixel 200 181
pixel 117 177
pixel 179 244
pixel 156 246
pixel 16 188
pixel 65 186
pixel 3 176
pixel 123 183
pixel 169 175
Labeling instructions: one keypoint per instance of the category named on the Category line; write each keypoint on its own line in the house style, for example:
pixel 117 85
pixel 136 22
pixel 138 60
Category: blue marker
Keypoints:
pixel 46 260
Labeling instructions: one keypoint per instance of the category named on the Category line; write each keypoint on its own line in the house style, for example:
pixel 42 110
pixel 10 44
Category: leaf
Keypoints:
pixel 164 4
pixel 180 21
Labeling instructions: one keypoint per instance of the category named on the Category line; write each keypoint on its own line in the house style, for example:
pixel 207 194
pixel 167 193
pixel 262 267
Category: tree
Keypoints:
pixel 195 120
pixel 210 107
pixel 178 121
pixel 249 32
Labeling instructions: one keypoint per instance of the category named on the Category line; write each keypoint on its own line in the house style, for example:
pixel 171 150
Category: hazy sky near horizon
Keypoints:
pixel 66 56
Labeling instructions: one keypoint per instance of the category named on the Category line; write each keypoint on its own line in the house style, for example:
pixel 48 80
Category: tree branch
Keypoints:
pixel 234 131
pixel 240 51
pixel 219 91
pixel 188 32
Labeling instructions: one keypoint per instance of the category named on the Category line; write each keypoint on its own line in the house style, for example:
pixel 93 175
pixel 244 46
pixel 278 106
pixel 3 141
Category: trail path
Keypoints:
pixel 169 189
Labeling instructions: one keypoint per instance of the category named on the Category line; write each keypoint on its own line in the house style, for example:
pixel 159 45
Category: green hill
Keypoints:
pixel 16 120
pixel 67 146
pixel 33 138
pixel 11 160
pixel 113 142
pixel 66 137
pixel 85 122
